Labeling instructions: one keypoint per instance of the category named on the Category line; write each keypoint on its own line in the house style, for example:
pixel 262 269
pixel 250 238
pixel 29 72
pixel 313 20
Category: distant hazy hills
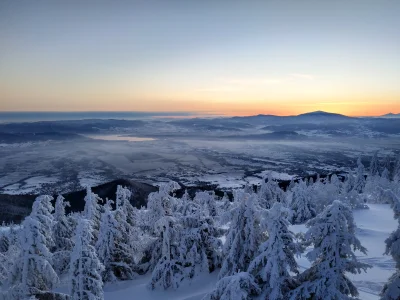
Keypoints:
pixel 391 115
pixel 318 123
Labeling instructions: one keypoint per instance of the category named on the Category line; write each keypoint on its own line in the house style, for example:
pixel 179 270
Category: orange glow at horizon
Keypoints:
pixel 224 108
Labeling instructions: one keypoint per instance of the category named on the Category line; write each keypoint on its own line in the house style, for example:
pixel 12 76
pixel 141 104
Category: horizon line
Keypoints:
pixel 183 113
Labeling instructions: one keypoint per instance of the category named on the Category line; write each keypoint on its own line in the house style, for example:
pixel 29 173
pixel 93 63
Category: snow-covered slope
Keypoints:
pixel 374 226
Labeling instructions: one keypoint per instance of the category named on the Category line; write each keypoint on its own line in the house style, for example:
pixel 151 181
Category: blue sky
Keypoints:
pixel 233 57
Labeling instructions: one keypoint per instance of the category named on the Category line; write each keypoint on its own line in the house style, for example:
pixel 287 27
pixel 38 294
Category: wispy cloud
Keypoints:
pixel 231 84
pixel 250 81
pixel 343 103
pixel 218 89
pixel 302 76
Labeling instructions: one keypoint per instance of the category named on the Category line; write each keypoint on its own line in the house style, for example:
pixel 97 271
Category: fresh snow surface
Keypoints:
pixel 30 185
pixel 277 175
pixel 374 226
pixel 191 290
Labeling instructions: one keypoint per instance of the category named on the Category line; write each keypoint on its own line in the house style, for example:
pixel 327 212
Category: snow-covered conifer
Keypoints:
pixel 391 290
pixel 92 211
pixel 333 235
pixel 291 185
pixel 269 192
pixel 226 204
pixel 186 205
pixel 129 221
pixel 336 184
pixel 385 174
pixel 239 286
pixel 32 272
pixel 200 243
pixel 244 236
pixel 387 164
pixel 123 196
pixel 207 201
pixel 63 232
pixel 396 171
pixel 359 183
pixel 374 165
pixel 4 241
pixel 272 266
pixel 85 267
pixel 302 205
pixel 169 270
pixel 161 203
pixel 9 253
pixel 348 183
pixel 113 247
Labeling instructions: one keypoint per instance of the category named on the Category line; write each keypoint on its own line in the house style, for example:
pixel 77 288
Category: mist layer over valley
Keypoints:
pixel 63 156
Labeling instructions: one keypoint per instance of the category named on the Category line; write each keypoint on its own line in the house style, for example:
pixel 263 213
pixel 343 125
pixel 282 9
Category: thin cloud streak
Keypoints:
pixel 302 76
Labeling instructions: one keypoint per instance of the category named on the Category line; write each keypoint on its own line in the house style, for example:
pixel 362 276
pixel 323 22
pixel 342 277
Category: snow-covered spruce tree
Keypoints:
pixel 5 262
pixel 4 269
pixel 123 196
pixel 331 191
pixel 200 244
pixel 206 200
pixel 336 184
pixel 374 185
pixel 332 233
pixel 244 236
pixel 85 267
pixel 269 192
pixel 385 174
pixel 32 272
pixel 349 196
pixel 186 205
pixel 387 164
pixel 239 286
pixel 318 193
pixel 226 204
pixel 374 165
pixel 359 183
pixel 63 232
pixel 169 270
pixel 9 253
pixel 391 290
pixel 396 171
pixel 113 247
pixel 129 220
pixel 159 205
pixel 291 185
pixel 272 266
pixel 348 183
pixel 92 211
pixel 4 266
pixel 302 206
pixel 384 180
pixel 4 240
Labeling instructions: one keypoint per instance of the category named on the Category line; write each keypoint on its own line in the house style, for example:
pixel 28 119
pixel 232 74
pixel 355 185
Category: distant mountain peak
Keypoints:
pixel 322 113
pixel 391 115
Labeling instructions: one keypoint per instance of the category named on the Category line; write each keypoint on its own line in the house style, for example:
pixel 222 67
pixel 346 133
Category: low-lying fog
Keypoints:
pixel 70 164
pixel 65 155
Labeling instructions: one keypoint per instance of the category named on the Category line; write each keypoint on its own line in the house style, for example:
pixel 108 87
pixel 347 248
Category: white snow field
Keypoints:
pixel 374 226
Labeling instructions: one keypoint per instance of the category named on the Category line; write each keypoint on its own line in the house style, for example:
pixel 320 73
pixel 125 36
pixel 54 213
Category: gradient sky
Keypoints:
pixel 227 57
